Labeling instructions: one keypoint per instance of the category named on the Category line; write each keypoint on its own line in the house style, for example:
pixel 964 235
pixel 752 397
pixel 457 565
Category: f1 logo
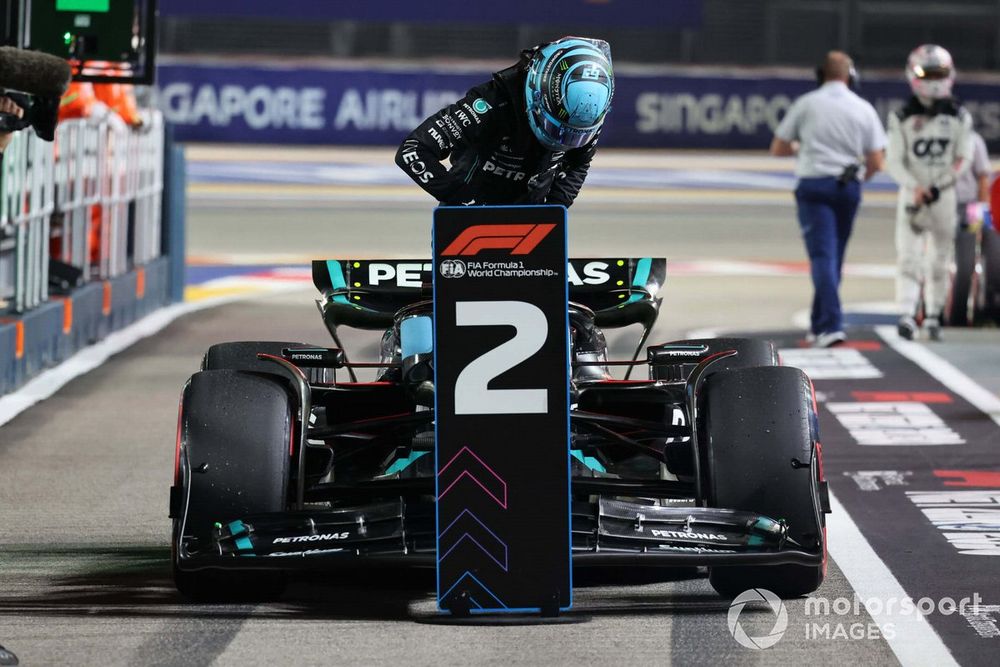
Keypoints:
pixel 520 239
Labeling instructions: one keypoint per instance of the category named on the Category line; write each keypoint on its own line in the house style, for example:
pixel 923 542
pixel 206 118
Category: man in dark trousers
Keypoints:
pixel 527 136
pixel 839 140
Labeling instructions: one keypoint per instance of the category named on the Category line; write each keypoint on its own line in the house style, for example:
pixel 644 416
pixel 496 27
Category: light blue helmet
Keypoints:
pixel 568 91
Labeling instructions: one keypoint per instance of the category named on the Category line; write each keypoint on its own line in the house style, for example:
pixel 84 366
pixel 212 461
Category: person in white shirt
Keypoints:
pixel 839 140
pixel 930 148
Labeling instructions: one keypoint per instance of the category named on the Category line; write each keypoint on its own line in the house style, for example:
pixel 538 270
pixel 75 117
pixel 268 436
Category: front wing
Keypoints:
pixel 402 532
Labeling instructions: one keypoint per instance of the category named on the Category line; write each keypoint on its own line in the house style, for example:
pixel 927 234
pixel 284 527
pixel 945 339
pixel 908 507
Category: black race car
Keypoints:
pixel 974 292
pixel 286 461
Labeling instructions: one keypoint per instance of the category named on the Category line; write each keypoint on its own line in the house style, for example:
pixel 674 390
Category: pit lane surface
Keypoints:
pixel 84 577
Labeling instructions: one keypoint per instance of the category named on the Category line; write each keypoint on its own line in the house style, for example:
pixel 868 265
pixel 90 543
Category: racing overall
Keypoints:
pixel 928 147
pixel 495 157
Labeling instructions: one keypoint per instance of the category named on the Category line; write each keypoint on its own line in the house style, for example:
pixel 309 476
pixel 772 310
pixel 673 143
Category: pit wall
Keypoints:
pixel 91 238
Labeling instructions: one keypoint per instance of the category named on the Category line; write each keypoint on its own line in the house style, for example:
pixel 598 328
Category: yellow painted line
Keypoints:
pixel 198 293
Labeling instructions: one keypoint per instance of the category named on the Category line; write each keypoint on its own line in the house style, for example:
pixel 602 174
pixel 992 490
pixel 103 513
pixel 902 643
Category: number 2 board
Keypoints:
pixel 501 364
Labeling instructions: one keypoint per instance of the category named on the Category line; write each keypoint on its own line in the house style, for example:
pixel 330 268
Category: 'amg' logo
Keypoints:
pixel 520 239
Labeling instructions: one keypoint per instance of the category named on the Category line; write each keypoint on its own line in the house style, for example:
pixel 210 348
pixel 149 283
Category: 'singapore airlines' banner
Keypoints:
pixel 379 106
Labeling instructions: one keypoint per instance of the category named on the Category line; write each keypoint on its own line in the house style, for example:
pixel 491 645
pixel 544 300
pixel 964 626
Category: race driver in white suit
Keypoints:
pixel 929 147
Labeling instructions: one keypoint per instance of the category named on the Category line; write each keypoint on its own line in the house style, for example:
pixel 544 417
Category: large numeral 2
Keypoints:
pixel 472 395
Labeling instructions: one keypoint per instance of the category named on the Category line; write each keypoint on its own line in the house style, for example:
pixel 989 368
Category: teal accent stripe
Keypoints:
pixel 399 465
pixel 642 268
pixel 475 164
pixel 588 461
pixel 336 274
pixel 337 279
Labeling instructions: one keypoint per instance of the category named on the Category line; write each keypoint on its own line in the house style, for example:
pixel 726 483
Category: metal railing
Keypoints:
pixel 91 200
pixel 26 205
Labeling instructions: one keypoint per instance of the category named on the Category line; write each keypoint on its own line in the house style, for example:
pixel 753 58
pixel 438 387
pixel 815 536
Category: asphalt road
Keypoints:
pixel 84 476
pixel 83 500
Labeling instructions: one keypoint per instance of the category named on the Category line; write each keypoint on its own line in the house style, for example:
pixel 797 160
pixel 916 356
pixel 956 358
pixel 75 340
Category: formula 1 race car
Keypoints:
pixel 283 463
pixel 974 294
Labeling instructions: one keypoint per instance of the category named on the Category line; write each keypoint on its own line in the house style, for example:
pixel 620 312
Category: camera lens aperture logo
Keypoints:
pixel 772 602
pixel 7 658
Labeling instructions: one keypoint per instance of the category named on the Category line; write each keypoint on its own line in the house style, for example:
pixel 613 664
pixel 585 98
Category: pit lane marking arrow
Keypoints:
pixel 472 523
pixel 480 585
pixel 500 497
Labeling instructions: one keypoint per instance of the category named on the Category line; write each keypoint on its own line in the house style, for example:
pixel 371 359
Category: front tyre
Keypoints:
pixel 235 430
pixel 762 456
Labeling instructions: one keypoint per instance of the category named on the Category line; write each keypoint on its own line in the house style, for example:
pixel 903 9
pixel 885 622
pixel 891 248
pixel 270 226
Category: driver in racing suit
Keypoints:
pixel 527 136
pixel 929 148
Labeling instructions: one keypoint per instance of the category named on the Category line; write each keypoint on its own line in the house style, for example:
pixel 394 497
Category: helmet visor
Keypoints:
pixel 563 135
pixel 932 72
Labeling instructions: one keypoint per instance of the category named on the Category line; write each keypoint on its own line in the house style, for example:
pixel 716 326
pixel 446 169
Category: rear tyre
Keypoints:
pixel 750 352
pixel 761 456
pixel 242 355
pixel 957 311
pixel 235 430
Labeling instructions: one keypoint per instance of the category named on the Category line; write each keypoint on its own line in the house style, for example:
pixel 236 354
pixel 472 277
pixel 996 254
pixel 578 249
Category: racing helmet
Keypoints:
pixel 931 72
pixel 568 91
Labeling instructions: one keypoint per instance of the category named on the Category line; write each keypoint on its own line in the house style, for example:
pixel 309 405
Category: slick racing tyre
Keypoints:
pixel 991 274
pixel 750 352
pixel 233 460
pixel 957 309
pixel 761 456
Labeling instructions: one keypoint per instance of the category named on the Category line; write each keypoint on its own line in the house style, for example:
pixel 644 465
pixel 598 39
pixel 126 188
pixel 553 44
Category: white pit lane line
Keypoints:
pixel 943 372
pixel 910 636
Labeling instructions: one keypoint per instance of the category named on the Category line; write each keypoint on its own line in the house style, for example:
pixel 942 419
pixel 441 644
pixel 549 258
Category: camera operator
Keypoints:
pixel 8 106
pixel 31 84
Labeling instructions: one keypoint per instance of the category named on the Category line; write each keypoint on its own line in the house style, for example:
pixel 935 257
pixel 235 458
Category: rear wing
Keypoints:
pixel 367 293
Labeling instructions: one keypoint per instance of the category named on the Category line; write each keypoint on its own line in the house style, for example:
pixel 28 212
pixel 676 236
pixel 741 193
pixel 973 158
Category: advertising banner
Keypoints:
pixel 380 105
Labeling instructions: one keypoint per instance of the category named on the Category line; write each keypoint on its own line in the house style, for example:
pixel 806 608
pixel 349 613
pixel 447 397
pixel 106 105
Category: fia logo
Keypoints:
pixel 452 268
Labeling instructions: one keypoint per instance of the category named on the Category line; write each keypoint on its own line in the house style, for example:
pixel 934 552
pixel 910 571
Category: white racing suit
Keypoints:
pixel 928 147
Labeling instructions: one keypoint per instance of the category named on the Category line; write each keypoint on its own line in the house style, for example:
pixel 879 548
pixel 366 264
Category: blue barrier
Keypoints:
pixel 380 105
pixel 61 327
